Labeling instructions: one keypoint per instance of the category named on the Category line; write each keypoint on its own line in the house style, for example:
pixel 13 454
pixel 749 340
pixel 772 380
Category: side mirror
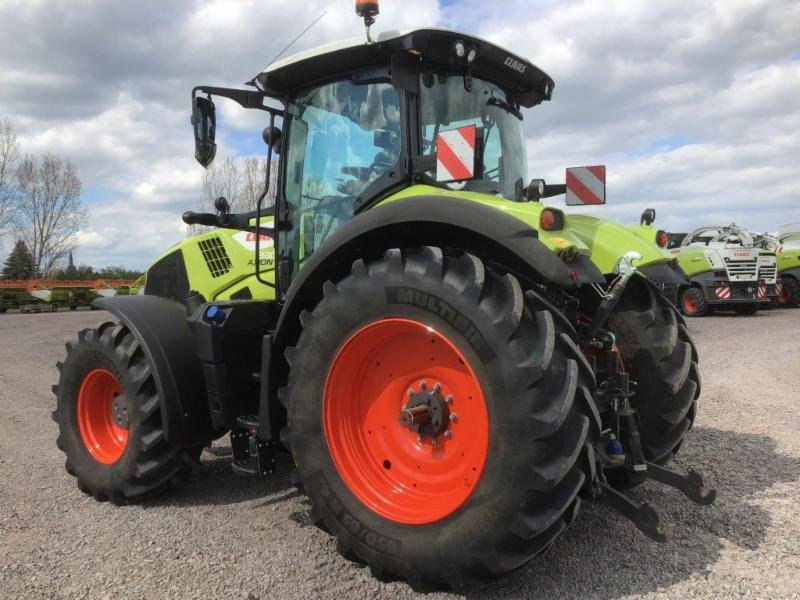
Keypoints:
pixel 459 154
pixel 272 138
pixel 586 185
pixel 204 122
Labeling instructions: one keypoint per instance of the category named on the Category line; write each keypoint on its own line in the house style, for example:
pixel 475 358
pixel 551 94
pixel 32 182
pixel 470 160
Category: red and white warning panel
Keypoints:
pixel 723 292
pixel 455 154
pixel 586 185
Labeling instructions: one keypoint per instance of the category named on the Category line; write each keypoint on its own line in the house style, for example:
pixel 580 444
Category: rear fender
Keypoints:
pixel 160 325
pixel 442 221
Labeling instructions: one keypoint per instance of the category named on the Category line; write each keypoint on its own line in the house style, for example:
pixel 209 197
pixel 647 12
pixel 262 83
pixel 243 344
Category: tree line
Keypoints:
pixel 40 206
pixel 20 265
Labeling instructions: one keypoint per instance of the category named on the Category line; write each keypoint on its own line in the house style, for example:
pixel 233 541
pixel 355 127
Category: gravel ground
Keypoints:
pixel 223 536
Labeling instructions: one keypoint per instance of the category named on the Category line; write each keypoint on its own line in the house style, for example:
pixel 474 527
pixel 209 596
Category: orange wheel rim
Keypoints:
pixel 688 304
pixel 405 475
pixel 102 418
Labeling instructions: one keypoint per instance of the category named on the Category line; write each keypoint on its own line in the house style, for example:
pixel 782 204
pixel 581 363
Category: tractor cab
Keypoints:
pixel 361 121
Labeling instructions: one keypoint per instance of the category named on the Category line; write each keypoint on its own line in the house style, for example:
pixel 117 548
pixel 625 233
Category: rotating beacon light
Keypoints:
pixel 368 9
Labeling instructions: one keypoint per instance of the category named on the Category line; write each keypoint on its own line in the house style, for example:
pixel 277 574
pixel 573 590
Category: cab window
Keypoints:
pixel 342 138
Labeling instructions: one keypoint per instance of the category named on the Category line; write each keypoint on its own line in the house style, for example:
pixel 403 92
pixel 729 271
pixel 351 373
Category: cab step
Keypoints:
pixel 251 456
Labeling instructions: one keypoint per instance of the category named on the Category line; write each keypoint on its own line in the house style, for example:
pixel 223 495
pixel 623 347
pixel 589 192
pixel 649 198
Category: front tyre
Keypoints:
pixel 693 302
pixel 440 418
pixel 109 419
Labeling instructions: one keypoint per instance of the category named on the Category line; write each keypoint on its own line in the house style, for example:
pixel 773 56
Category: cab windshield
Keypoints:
pixel 448 102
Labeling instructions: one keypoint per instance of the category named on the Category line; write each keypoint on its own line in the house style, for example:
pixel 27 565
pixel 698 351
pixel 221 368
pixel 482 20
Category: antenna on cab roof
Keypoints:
pixel 289 45
pixel 368 9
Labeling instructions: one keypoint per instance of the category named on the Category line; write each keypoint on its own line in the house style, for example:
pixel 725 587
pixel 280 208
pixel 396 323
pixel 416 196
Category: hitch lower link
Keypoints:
pixel 642 514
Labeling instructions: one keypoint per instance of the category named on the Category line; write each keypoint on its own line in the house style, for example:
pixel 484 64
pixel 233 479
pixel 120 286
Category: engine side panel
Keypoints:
pixel 220 264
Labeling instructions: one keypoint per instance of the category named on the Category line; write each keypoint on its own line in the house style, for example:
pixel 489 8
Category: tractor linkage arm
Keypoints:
pixel 624 450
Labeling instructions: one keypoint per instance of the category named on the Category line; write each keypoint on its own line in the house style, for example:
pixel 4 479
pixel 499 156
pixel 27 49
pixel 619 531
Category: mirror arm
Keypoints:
pixel 556 189
pixel 245 98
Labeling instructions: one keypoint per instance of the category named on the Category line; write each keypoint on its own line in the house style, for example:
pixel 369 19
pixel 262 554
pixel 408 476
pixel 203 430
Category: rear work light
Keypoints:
pixel 551 219
pixel 662 238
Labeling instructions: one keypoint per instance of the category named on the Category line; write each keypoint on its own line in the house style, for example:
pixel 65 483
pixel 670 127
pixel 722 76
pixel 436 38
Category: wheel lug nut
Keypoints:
pixel 453 417
pixel 449 399
pixel 437 387
pixel 448 434
pixel 423 385
pixel 420 437
pixel 410 393
pixel 435 441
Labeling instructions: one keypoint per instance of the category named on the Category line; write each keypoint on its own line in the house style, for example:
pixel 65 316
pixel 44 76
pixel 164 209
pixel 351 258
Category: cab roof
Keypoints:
pixel 426 49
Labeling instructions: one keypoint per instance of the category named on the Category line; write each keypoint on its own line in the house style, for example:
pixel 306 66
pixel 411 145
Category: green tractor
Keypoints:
pixel 453 366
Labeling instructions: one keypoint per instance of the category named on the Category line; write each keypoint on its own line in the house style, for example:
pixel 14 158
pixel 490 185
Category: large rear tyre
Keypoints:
pixel 789 292
pixel 109 419
pixel 493 476
pixel 661 357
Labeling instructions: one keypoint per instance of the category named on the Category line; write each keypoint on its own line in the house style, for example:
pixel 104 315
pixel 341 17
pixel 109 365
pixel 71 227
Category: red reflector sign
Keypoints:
pixel 455 154
pixel 586 185
pixel 723 292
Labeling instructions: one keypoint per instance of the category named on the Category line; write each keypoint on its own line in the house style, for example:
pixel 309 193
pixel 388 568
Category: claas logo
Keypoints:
pixel 251 237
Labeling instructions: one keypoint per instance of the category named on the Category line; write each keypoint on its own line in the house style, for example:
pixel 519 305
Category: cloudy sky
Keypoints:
pixel 693 106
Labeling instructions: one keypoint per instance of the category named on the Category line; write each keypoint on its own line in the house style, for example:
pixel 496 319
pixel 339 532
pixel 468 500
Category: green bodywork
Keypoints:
pixel 217 279
pixel 692 261
pixel 602 240
pixel 649 234
pixel 789 258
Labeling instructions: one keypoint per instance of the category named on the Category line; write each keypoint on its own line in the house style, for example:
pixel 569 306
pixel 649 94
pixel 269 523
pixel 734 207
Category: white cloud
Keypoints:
pixel 693 106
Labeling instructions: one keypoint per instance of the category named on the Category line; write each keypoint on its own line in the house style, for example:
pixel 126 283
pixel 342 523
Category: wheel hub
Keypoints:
pixel 427 412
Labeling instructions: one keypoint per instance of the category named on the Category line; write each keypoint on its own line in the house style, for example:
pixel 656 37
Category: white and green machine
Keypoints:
pixel 726 271
pixel 786 246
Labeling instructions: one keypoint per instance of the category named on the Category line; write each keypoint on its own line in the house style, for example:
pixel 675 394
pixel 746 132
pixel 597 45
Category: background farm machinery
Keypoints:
pixel 48 295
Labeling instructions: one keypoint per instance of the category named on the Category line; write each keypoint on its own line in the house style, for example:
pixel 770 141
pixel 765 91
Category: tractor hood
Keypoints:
pixel 431 48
